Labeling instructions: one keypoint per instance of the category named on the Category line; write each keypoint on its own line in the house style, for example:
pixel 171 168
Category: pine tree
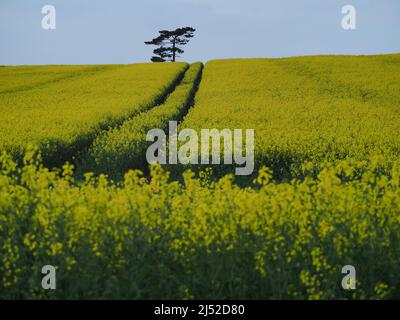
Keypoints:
pixel 170 44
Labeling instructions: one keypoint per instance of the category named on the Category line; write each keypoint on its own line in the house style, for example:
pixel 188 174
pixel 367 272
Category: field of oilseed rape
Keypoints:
pixel 61 109
pixel 304 109
pixel 124 147
pixel 325 194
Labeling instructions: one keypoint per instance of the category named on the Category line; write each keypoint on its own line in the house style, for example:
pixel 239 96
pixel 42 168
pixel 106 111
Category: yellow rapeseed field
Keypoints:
pixel 316 109
pixel 326 193
pixel 65 114
pixel 152 238
pixel 124 147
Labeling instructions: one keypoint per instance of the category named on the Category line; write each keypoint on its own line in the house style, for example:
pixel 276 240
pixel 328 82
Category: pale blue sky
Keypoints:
pixel 100 31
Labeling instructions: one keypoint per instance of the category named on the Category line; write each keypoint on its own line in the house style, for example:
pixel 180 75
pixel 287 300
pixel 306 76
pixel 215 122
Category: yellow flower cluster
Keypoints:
pixel 153 238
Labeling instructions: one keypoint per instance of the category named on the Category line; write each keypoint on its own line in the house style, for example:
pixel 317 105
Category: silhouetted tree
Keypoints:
pixel 169 44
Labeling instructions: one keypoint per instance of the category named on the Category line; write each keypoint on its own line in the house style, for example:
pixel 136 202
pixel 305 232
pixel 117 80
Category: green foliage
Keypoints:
pixel 158 239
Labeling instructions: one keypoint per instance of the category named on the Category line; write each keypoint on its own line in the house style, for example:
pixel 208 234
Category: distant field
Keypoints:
pixel 15 79
pixel 62 108
pixel 305 109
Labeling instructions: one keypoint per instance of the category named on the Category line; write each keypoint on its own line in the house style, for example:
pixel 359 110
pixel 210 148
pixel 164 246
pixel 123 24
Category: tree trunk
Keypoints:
pixel 173 50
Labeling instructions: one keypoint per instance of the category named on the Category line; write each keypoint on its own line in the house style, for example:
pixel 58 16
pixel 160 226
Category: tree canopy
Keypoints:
pixel 170 43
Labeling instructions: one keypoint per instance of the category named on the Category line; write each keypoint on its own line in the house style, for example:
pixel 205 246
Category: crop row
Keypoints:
pixel 124 147
pixel 62 117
